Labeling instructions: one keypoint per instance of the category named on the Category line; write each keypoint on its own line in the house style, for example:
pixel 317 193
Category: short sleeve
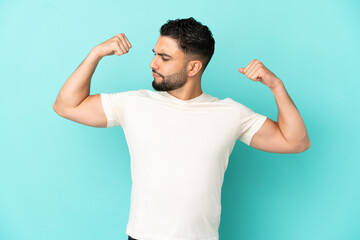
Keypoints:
pixel 113 108
pixel 249 123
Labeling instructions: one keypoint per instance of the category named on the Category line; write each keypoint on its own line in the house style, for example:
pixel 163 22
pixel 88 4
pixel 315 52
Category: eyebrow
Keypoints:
pixel 162 54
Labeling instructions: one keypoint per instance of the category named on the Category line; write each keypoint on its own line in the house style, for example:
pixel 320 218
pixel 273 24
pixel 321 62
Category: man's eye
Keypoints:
pixel 162 58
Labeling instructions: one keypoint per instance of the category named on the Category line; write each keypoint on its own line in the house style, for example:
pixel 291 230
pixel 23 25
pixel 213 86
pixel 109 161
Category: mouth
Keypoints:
pixel 155 75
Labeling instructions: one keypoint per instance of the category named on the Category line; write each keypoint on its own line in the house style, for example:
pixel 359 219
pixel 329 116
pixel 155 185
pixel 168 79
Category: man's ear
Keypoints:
pixel 194 67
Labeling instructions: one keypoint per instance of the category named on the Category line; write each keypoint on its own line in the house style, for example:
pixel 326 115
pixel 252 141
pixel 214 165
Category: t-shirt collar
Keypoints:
pixel 193 100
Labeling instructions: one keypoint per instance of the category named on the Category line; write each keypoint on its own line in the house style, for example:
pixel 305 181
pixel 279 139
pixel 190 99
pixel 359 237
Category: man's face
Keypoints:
pixel 169 66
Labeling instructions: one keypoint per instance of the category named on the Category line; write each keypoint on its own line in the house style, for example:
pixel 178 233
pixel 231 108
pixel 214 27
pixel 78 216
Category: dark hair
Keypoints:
pixel 192 37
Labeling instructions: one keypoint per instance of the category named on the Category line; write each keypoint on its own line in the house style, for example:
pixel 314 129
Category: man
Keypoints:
pixel 179 137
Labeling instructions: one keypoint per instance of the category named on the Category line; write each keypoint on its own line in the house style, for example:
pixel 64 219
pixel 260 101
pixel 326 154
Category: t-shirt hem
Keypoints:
pixel 256 126
pixel 142 237
pixel 106 104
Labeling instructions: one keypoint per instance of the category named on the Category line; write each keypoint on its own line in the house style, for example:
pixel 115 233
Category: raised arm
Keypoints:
pixel 288 134
pixel 73 101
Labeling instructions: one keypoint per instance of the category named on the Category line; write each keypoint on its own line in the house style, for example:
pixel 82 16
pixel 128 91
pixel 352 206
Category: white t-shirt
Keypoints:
pixel 179 152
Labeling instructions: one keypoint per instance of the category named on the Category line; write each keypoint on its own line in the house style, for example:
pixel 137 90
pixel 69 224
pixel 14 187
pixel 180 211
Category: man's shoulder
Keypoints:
pixel 130 93
pixel 228 100
pixel 233 103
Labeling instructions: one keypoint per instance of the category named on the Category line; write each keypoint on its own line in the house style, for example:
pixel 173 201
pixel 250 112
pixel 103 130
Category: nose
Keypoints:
pixel 153 64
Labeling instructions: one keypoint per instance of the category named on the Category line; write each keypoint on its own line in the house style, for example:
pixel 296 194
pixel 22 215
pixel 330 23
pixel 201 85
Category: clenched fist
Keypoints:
pixel 118 45
pixel 257 71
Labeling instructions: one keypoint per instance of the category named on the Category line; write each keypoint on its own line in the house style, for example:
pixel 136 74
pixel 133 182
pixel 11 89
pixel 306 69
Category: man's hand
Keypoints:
pixel 256 71
pixel 118 45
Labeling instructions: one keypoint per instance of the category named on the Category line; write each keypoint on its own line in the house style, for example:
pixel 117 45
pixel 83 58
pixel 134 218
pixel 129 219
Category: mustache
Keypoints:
pixel 157 73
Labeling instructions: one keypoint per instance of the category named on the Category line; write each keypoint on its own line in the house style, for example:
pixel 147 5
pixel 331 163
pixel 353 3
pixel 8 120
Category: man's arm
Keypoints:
pixel 73 101
pixel 77 86
pixel 288 134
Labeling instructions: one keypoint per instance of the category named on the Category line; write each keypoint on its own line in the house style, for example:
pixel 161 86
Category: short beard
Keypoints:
pixel 172 82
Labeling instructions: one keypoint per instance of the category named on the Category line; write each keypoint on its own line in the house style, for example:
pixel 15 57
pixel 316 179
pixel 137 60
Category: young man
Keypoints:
pixel 179 137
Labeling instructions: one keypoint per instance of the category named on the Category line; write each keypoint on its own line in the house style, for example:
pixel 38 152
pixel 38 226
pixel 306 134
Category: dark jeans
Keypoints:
pixel 130 238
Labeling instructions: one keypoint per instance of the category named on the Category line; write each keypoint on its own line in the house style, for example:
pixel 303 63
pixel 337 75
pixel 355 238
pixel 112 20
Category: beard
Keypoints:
pixel 171 82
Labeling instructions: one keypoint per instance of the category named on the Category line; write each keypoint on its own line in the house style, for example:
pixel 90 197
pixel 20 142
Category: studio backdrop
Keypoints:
pixel 63 180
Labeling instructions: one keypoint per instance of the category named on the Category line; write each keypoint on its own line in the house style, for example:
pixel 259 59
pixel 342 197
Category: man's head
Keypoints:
pixel 183 51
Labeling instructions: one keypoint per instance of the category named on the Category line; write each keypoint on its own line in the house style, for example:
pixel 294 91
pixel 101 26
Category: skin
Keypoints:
pixel 176 72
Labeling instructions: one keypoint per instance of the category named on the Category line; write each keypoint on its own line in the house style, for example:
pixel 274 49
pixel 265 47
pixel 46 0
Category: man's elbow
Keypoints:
pixel 303 146
pixel 57 110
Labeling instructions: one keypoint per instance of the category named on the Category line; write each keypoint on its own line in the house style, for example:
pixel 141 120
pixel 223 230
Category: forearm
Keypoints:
pixel 289 119
pixel 77 86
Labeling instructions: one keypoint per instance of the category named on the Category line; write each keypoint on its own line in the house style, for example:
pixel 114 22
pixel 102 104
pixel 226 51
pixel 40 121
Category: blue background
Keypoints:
pixel 63 180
